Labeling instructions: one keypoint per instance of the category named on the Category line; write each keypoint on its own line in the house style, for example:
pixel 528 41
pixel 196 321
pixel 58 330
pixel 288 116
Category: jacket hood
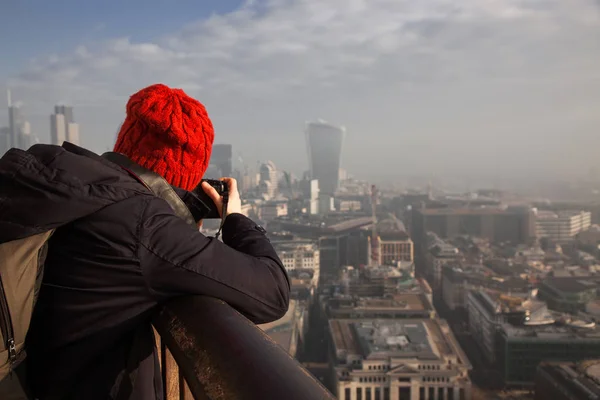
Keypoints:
pixel 49 186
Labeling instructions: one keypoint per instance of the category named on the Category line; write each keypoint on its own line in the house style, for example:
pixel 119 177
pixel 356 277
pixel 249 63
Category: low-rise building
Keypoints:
pixel 298 255
pixel 397 360
pixel 270 210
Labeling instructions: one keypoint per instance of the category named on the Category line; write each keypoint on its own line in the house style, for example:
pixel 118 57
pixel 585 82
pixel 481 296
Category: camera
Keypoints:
pixel 200 205
pixel 220 186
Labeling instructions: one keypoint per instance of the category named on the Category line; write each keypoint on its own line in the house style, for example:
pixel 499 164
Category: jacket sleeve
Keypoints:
pixel 243 270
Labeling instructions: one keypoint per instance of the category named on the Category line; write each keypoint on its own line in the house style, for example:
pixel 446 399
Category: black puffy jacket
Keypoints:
pixel 117 254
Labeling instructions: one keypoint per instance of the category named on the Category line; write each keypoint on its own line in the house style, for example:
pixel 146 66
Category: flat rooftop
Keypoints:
pixel 391 235
pixel 570 284
pixel 409 338
pixel 465 211
pixel 578 329
pixel 350 224
pixel 402 301
pixel 331 224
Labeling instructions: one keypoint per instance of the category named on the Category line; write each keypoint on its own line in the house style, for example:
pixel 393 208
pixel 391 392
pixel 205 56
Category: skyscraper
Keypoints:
pixel 268 179
pixel 19 130
pixel 63 126
pixel 324 142
pixel 221 158
pixel 4 140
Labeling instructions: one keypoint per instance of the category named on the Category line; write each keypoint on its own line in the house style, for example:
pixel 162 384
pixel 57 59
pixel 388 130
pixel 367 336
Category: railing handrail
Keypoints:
pixel 222 355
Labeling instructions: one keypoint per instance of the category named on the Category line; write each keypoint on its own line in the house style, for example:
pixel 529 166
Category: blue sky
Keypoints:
pixel 436 87
pixel 38 27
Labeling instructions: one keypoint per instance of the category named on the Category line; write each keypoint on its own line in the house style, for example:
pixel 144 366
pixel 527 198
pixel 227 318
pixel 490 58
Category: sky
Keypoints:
pixel 423 87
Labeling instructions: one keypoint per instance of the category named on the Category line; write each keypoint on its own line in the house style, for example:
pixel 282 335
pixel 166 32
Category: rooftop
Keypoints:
pixel 570 284
pixel 496 302
pixel 405 301
pixel 393 235
pixel 562 331
pixel 545 214
pixel 329 224
pixel 425 339
pixel 466 211
pixel 350 224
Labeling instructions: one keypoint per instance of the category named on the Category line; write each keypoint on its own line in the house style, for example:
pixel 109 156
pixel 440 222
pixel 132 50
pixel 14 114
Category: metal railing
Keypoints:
pixel 210 351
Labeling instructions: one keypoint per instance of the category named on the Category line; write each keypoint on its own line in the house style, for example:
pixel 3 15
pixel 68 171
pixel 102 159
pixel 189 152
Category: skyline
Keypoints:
pixel 491 88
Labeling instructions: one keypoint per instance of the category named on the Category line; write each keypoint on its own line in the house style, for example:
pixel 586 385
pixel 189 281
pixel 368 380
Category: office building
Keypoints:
pixel 568 380
pixel 324 142
pixel 394 247
pixel 297 256
pixel 488 310
pixel 562 226
pixel 409 359
pixel 19 130
pixel 458 281
pixel 268 181
pixel 25 140
pixel 310 192
pixel 515 225
pixel 439 254
pixel 522 348
pixel 222 159
pixel 5 139
pixel 343 247
pixel 269 210
pixel 568 294
pixel 63 127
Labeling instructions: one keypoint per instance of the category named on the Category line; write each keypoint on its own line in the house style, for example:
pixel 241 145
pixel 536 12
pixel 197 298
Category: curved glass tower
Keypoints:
pixel 324 142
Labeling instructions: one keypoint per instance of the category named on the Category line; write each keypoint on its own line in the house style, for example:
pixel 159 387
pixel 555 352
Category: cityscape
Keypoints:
pixel 416 294
pixel 427 173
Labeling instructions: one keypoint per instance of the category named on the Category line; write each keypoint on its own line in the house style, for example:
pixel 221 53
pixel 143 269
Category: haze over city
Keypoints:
pixel 412 210
pixel 441 87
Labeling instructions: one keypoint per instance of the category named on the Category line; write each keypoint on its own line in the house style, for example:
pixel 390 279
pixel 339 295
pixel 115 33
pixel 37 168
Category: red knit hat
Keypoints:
pixel 167 132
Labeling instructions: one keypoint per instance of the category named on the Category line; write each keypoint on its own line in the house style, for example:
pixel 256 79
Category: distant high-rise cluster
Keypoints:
pixel 63 127
pixel 268 181
pixel 18 132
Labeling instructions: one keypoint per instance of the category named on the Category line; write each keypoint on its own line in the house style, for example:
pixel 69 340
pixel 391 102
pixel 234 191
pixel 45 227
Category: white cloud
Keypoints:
pixel 400 74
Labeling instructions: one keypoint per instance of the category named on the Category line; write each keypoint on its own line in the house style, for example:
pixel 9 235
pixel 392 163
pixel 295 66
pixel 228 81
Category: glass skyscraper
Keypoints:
pixel 324 142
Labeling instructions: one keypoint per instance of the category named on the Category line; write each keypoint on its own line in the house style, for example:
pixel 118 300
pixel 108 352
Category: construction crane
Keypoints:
pixel 374 236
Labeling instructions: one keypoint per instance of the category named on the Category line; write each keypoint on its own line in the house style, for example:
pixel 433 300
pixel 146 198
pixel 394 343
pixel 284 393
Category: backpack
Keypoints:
pixel 21 272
